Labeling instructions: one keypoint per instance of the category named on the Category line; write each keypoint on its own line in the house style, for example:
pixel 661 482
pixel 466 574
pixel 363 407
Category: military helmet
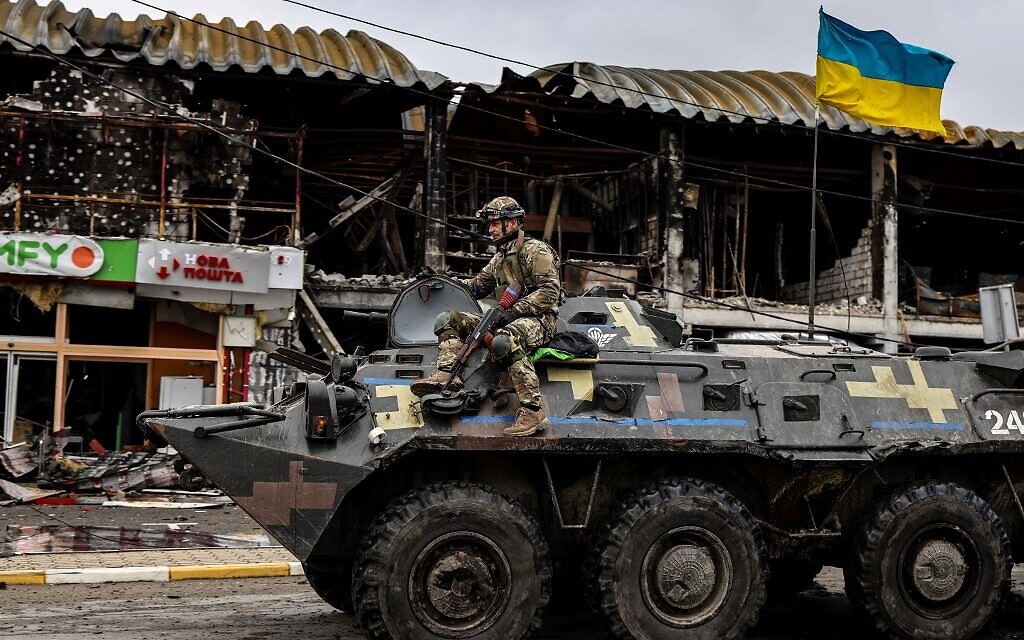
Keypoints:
pixel 501 207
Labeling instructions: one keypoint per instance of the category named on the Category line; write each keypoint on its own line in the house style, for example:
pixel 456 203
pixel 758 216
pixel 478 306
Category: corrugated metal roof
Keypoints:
pixel 171 39
pixel 735 96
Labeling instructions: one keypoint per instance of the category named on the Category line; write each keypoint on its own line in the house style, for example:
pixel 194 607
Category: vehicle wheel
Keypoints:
pixel 332 587
pixel 683 554
pixel 933 564
pixel 789 576
pixel 452 560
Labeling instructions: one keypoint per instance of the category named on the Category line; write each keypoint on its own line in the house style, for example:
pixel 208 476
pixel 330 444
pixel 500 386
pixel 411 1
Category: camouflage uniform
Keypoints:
pixel 534 265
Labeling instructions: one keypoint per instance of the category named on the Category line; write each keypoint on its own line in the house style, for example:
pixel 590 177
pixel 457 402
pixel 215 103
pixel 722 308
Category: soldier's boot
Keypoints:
pixel 447 353
pixel 434 383
pixel 528 422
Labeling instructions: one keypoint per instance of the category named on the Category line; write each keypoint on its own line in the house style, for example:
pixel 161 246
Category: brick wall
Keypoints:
pixel 830 287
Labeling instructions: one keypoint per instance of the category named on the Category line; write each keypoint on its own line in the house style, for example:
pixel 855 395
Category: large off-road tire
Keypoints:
pixel 933 564
pixel 452 560
pixel 791 575
pixel 683 558
pixel 333 588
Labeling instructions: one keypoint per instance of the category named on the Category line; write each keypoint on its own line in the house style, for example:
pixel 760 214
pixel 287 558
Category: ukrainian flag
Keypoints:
pixel 877 78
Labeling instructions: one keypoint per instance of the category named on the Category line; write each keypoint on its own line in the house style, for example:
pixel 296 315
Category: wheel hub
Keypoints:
pixel 686 576
pixel 940 570
pixel 459 585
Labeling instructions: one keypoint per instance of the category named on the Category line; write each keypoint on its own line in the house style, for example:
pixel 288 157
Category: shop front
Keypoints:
pixel 94 330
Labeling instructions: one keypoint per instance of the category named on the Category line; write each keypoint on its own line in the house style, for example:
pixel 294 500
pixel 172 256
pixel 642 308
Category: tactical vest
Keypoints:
pixel 512 268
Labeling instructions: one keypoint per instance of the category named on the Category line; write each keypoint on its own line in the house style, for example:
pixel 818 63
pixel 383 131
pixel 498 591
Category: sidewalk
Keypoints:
pixel 159 565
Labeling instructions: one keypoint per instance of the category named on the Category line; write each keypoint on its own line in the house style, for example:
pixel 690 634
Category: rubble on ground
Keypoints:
pixel 111 473
pixel 365 281
pixel 861 305
pixel 17 461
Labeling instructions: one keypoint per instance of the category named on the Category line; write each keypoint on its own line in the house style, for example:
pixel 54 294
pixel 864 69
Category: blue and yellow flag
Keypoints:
pixel 877 78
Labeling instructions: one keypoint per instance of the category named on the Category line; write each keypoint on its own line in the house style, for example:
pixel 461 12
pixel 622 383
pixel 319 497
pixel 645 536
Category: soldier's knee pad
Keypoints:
pixel 501 346
pixel 442 321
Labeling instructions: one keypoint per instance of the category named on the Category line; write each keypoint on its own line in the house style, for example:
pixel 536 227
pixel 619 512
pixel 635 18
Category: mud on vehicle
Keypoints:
pixel 678 485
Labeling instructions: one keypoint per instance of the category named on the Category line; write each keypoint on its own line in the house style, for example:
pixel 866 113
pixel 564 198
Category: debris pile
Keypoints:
pixel 17 461
pixel 113 473
pixel 861 305
pixel 365 281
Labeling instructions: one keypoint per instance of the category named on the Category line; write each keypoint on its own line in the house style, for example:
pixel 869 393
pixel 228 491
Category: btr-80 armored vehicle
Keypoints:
pixel 678 482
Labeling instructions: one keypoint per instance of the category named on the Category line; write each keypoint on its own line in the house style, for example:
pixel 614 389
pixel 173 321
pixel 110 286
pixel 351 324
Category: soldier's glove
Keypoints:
pixel 504 318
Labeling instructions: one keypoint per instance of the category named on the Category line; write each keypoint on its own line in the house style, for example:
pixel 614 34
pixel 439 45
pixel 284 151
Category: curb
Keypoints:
pixel 152 574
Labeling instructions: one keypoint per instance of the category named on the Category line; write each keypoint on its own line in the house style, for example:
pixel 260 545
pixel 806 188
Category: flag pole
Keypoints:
pixel 811 298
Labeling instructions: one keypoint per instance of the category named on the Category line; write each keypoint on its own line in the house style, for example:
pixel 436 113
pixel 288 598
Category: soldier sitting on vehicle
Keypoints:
pixel 523 275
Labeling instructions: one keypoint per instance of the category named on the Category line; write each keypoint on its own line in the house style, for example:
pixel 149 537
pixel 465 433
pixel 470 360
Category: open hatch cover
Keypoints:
pixel 416 307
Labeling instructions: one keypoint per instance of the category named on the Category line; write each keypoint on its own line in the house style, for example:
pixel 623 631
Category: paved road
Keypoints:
pixel 286 608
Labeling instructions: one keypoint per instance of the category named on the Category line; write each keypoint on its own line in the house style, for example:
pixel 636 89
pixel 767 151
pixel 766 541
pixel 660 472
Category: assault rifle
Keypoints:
pixel 445 401
pixel 481 335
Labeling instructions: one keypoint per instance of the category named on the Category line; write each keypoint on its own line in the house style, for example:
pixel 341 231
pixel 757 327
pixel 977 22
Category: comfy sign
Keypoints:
pixel 42 254
pixel 202 266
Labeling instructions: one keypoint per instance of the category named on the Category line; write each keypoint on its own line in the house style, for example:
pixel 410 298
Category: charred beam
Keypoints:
pixel 317 325
pixel 430 243
pixel 672 148
pixel 883 195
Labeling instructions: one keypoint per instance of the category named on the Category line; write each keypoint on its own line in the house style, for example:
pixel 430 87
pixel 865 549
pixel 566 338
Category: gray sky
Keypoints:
pixel 984 87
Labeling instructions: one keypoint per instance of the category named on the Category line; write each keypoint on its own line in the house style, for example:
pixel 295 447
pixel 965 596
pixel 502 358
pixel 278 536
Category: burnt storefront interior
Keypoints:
pixel 187 132
pixel 693 181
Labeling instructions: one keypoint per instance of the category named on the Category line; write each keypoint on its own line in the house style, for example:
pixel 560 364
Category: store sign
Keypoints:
pixel 119 257
pixel 202 266
pixel 286 267
pixel 42 254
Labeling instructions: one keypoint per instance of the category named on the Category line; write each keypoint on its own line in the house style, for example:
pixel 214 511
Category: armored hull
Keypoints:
pixel 679 484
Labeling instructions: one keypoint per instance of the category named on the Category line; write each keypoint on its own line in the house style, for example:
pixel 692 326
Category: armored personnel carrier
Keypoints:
pixel 678 483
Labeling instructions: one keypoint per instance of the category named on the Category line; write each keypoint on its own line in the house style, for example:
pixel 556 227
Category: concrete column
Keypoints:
pixel 431 241
pixel 883 193
pixel 672 148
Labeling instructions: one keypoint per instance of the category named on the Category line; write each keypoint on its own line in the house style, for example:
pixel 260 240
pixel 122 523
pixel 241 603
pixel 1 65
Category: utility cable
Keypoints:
pixel 397 206
pixel 616 87
pixel 578 136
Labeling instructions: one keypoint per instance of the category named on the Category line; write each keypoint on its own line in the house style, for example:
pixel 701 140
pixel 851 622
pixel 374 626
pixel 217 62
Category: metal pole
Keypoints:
pixel 163 187
pixel 19 159
pixel 297 216
pixel 814 231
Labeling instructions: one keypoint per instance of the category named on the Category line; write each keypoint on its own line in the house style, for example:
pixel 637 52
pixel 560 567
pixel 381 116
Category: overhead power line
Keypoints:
pixel 237 141
pixel 617 87
pixel 557 130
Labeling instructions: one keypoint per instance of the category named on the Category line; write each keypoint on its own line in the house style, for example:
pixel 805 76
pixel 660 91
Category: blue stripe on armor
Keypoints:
pixel 625 422
pixel 947 426
pixel 401 381
pixel 647 422
pixel 487 419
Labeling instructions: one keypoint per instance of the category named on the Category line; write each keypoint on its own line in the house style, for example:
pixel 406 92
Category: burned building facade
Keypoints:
pixel 153 218
pixel 700 182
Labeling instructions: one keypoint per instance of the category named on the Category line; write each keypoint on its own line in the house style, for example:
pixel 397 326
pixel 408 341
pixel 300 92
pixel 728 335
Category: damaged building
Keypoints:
pixel 699 182
pixel 168 153
pixel 154 224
